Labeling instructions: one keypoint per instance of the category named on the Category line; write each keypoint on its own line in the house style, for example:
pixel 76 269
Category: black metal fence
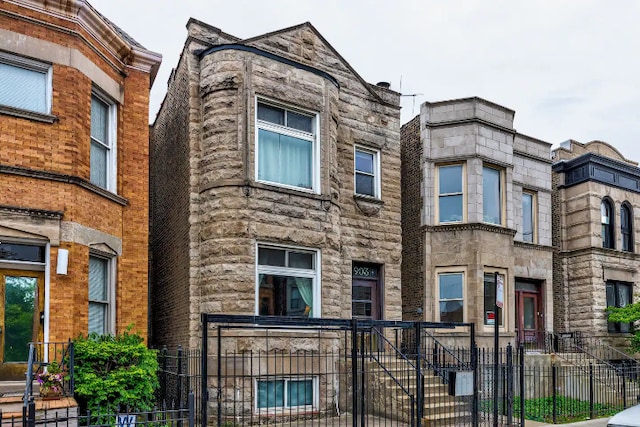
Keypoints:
pixel 179 375
pixel 335 372
pixel 70 417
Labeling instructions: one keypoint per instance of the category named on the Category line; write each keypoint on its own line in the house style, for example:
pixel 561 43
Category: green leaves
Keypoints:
pixel 628 314
pixel 114 372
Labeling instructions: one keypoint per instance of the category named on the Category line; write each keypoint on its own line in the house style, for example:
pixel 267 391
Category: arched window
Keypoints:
pixel 606 213
pixel 626 227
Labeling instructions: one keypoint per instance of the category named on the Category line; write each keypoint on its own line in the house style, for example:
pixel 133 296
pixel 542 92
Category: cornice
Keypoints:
pixel 610 253
pixel 81 13
pixel 470 226
pixel 611 172
pixel 474 120
pixel 40 213
pixel 533 246
pixel 59 177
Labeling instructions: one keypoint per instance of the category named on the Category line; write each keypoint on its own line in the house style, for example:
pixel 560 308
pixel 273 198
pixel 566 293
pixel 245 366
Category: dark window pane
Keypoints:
pixel 451 208
pixel 270 256
pixel 300 393
pixel 285 295
pixel 490 300
pixel 17 252
pixel 450 178
pixel 365 184
pixel 451 311
pixel 271 114
pixel 364 162
pixel 299 122
pixel 300 260
pixel 361 293
pixel 361 309
pixel 271 394
pixel 527 217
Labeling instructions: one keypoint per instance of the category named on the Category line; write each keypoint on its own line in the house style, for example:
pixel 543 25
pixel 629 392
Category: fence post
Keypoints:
pixel 179 379
pixel 591 390
pixel 554 382
pixel 31 416
pixel 163 376
pixel 362 378
pixel 72 379
pixel 624 388
pixel 191 405
pixel 474 365
pixel 203 371
pixel 522 391
pixel 419 378
pixel 509 384
pixel 354 370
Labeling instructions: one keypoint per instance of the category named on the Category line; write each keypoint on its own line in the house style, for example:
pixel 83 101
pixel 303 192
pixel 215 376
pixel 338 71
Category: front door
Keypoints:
pixel 529 314
pixel 21 305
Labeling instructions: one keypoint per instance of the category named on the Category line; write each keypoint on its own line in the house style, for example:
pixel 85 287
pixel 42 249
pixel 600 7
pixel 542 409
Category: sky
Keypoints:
pixel 570 69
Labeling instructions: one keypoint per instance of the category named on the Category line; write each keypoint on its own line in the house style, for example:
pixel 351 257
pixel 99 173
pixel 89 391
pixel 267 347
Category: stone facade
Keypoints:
pixel 584 176
pixel 49 196
pixel 212 211
pixel 453 233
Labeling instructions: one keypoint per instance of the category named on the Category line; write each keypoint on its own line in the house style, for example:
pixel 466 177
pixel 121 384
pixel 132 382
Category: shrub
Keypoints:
pixel 115 372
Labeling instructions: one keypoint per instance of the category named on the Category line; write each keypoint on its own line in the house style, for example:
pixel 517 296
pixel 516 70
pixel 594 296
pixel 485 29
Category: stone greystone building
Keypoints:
pixel 596 199
pixel 476 201
pixel 275 187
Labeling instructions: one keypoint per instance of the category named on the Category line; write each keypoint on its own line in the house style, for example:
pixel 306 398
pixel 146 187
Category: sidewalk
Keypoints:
pixel 598 422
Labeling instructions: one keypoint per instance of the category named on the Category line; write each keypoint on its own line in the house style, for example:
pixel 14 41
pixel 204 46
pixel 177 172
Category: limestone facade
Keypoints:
pixel 593 271
pixel 465 171
pixel 224 200
pixel 73 195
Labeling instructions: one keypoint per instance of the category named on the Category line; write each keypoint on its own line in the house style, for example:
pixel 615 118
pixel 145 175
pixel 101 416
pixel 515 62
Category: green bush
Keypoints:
pixel 115 372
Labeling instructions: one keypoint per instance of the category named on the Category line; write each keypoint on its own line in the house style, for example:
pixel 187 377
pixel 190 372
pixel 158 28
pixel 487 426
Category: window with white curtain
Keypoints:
pixel 288 283
pixel 25 84
pixel 100 295
pixel 619 294
pixel 286 147
pixel 103 130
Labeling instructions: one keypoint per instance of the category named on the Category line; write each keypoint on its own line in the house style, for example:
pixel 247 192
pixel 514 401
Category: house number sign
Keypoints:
pixel 362 271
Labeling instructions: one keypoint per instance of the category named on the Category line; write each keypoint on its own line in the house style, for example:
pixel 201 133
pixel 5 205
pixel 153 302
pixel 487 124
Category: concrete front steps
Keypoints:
pixel 12 408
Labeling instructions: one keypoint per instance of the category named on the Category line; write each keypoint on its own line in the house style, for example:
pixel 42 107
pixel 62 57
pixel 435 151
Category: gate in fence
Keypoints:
pixel 338 372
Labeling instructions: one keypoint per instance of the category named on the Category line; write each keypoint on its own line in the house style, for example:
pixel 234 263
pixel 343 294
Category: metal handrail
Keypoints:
pixel 398 353
pixel 29 375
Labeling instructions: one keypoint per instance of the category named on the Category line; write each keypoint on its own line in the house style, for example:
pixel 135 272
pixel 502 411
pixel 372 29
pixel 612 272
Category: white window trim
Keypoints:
pixel 450 270
pixel 314 138
pixel 376 171
pixel 508 300
pixel 278 409
pixel 464 193
pixel 30 64
pixel 286 271
pixel 111 290
pixel 112 154
pixel 534 215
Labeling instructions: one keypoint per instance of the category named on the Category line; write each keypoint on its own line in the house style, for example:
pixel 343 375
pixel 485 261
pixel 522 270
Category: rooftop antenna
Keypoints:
pixel 413 95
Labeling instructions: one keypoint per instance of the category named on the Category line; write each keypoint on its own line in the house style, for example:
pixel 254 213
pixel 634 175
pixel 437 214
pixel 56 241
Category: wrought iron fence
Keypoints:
pixel 179 375
pixel 329 372
pixel 70 417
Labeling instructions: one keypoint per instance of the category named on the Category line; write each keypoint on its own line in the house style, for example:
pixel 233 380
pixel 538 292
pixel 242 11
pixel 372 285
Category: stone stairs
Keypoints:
pixel 440 409
pixel 11 404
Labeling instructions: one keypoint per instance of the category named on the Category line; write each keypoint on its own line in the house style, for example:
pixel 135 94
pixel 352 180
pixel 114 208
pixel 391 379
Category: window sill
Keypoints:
pixel 369 206
pixel 26 114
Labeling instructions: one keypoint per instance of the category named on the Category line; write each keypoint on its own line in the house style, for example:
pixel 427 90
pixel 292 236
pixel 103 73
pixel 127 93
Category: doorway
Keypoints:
pixel 529 313
pixel 22 303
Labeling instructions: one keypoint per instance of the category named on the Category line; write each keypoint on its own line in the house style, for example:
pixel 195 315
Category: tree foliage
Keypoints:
pixel 628 314
pixel 115 372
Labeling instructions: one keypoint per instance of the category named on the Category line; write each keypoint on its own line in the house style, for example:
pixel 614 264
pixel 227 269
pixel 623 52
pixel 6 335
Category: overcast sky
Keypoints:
pixel 570 69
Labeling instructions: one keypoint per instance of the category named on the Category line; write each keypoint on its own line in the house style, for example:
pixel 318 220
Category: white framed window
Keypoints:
pixel 529 212
pixel 103 142
pixel 451 296
pixel 25 84
pixel 492 195
pixel 287 149
pixel 450 193
pixel 101 294
pixel 300 393
pixel 288 281
pixel 367 172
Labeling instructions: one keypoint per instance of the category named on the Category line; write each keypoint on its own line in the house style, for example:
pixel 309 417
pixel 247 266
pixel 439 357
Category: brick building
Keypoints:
pixel 74 93
pixel 476 201
pixel 595 202
pixel 275 184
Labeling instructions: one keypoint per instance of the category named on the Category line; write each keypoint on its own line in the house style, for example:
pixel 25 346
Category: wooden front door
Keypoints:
pixel 365 292
pixel 22 302
pixel 529 315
